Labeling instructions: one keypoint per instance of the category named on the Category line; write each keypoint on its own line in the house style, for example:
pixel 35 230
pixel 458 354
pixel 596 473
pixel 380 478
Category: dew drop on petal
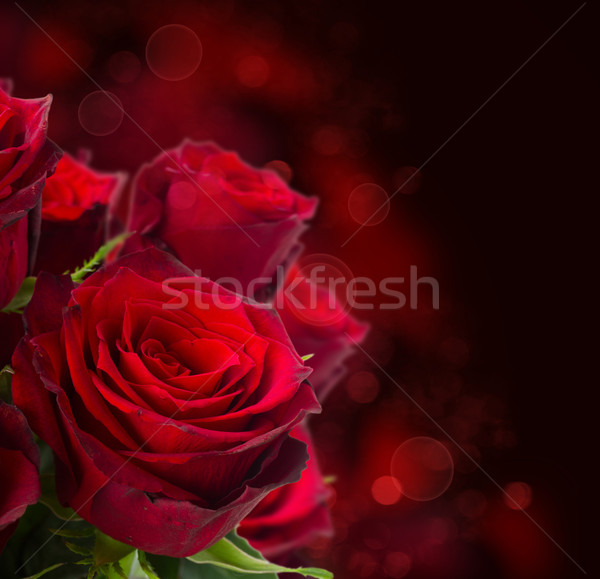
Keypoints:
pixel 100 113
pixel 368 204
pixel 173 52
pixel 423 467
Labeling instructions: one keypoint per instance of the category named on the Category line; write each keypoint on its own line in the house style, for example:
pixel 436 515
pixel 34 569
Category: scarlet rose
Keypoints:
pixel 318 324
pixel 291 516
pixel 218 215
pixel 168 407
pixel 26 157
pixel 74 205
pixel 20 460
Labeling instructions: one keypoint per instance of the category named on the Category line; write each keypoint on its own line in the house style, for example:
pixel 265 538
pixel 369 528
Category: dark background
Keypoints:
pixel 504 216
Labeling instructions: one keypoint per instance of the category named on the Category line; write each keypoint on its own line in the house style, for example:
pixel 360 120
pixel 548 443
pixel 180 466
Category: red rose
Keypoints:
pixel 318 324
pixel 291 516
pixel 20 459
pixel 26 157
pixel 218 215
pixel 74 206
pixel 167 406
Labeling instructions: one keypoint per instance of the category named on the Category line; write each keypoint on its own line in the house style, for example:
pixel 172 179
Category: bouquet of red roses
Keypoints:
pixel 160 351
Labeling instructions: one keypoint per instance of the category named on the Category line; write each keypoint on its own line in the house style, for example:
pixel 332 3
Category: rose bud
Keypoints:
pixel 292 516
pixel 318 324
pixel 74 206
pixel 26 158
pixel 219 216
pixel 166 399
pixel 20 460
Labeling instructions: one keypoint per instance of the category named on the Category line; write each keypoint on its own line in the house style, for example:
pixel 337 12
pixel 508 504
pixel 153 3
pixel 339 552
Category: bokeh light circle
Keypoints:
pixel 100 113
pixel 386 490
pixel 174 52
pixel 471 503
pixel 253 71
pixel 281 168
pixel 517 495
pixel 183 195
pixel 362 387
pixel 124 66
pixel 423 467
pixel 368 204
pixel 321 299
pixel 397 564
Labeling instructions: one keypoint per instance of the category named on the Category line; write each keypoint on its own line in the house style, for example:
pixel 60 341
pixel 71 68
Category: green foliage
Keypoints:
pixel 234 553
pixel 91 264
pixel 22 297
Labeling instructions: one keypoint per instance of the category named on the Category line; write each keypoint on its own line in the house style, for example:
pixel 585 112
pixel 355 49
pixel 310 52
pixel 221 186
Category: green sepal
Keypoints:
pixel 46 570
pixel 146 567
pixel 5 382
pixel 109 550
pixel 78 549
pixel 21 298
pixel 74 534
pixel 235 554
pixel 91 264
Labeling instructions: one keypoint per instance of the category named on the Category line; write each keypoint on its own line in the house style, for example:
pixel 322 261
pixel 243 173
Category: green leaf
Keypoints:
pixel 91 264
pixel 235 554
pixel 78 549
pixel 146 567
pixel 5 382
pixel 22 297
pixel 46 570
pixel 118 570
pixel 122 569
pixel 307 357
pixel 50 499
pixel 109 550
pixel 189 570
pixel 74 533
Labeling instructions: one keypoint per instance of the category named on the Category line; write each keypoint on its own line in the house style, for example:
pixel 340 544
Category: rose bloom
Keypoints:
pixel 291 516
pixel 20 460
pixel 218 215
pixel 318 324
pixel 74 206
pixel 26 157
pixel 167 406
